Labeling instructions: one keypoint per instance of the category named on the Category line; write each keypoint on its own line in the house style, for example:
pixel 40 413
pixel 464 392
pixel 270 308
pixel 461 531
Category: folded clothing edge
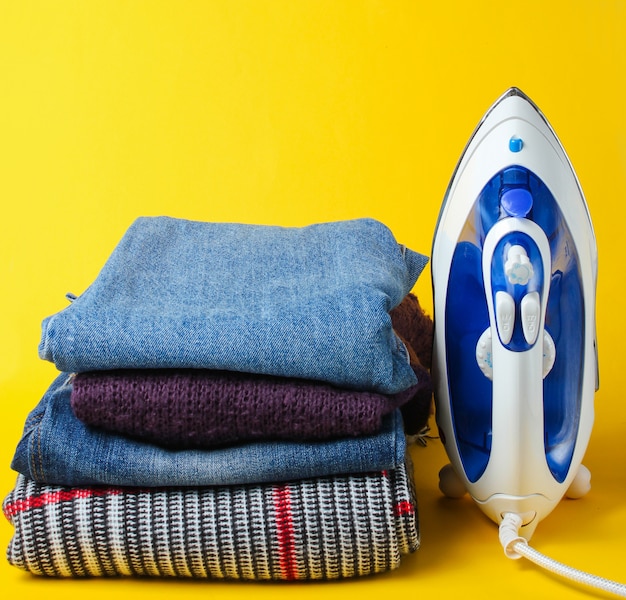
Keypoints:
pixel 89 335
pixel 315 529
pixel 57 448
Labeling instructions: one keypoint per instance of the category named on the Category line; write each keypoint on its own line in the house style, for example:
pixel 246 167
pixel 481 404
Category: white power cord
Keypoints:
pixel 515 546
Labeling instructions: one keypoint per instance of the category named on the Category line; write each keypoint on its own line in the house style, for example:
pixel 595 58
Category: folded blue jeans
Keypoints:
pixel 58 449
pixel 310 302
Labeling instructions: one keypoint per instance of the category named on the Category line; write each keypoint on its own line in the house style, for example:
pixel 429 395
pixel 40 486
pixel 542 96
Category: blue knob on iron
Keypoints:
pixel 516 202
pixel 515 144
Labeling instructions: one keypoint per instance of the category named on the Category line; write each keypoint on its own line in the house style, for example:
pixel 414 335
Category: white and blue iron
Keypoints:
pixel 514 266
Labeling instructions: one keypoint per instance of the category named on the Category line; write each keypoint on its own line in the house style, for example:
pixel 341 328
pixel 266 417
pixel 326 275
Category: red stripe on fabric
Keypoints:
pixel 403 508
pixel 47 498
pixel 285 532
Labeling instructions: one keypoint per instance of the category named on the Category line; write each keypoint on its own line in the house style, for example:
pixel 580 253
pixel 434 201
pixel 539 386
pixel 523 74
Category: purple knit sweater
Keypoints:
pixel 199 408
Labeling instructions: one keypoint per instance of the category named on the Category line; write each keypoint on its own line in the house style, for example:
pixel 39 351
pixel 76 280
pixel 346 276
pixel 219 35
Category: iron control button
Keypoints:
pixel 530 310
pixel 505 316
pixel 517 202
pixel 518 268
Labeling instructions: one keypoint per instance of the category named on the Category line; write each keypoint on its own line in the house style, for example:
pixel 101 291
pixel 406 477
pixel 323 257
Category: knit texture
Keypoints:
pixel 199 408
pixel 326 528
pixel 412 323
pixel 415 327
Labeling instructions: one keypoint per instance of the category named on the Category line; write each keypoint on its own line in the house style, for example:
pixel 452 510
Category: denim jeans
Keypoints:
pixel 57 448
pixel 310 302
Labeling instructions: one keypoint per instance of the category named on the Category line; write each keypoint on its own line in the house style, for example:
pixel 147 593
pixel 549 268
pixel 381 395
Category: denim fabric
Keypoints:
pixel 57 448
pixel 310 302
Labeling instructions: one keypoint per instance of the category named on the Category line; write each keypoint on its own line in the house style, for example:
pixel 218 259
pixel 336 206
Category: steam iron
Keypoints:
pixel 514 267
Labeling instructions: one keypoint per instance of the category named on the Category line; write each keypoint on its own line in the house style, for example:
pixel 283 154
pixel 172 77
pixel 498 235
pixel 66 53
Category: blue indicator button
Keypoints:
pixel 517 202
pixel 515 144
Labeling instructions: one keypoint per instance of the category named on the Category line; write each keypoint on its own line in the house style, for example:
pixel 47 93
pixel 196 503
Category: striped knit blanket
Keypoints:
pixel 325 528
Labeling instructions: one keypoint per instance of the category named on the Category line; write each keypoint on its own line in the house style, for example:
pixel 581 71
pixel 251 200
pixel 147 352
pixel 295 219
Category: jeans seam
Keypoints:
pixel 37 454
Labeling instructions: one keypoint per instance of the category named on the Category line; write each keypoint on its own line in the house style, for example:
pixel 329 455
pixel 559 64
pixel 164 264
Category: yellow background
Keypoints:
pixel 291 112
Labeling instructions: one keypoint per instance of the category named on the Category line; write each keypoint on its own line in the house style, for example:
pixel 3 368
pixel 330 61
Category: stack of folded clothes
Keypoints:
pixel 232 403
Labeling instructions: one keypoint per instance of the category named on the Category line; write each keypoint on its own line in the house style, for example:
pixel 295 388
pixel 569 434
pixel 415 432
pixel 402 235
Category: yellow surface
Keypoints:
pixel 292 112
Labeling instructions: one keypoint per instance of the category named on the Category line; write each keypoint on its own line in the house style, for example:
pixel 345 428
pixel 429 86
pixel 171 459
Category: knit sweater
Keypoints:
pixel 325 528
pixel 201 408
